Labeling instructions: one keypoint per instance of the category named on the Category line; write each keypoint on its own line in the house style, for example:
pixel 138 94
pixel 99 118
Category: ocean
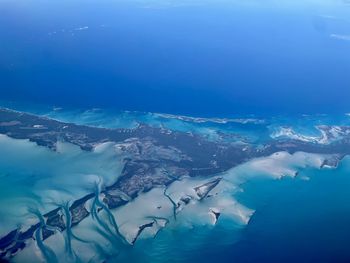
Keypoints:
pixel 116 64
pixel 200 58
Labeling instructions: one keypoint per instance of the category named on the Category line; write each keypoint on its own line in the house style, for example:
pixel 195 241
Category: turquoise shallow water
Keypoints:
pixel 296 220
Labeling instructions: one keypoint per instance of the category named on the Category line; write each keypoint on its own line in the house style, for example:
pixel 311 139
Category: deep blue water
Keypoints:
pixel 190 57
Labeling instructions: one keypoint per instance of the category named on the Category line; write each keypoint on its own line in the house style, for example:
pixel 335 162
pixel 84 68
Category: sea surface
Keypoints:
pixel 200 58
pixel 118 63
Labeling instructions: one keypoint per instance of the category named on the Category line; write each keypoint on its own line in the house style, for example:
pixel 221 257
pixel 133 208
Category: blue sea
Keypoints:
pixel 253 59
pixel 203 58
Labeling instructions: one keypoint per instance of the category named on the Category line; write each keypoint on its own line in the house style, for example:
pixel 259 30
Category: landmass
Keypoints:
pixel 153 157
